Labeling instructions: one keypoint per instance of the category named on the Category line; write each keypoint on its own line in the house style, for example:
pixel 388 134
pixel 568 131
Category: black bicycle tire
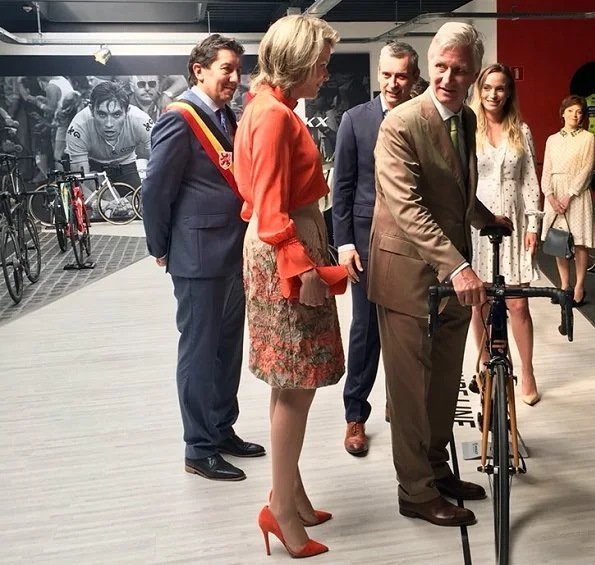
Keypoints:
pixel 61 237
pixel 116 186
pixel 32 275
pixel 16 277
pixel 44 221
pixel 60 223
pixel 75 240
pixel 501 464
pixel 86 238
pixel 137 202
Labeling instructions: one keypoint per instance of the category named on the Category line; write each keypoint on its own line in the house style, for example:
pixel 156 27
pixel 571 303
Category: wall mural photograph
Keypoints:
pixel 102 116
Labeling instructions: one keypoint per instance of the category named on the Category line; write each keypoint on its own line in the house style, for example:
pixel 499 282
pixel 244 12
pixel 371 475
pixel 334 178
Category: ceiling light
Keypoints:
pixel 103 55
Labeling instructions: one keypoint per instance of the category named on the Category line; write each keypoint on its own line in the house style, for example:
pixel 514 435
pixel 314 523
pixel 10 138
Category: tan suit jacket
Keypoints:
pixel 425 205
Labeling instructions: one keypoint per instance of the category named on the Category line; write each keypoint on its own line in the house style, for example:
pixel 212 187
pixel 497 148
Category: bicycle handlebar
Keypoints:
pixel 12 157
pixel 562 297
pixel 67 176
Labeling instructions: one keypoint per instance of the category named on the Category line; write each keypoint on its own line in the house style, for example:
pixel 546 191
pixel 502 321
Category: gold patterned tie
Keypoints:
pixel 453 125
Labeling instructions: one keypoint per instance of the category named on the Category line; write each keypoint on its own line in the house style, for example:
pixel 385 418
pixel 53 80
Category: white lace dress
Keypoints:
pixel 567 167
pixel 508 186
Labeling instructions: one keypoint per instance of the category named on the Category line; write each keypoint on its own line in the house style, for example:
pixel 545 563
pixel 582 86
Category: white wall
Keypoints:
pixel 159 44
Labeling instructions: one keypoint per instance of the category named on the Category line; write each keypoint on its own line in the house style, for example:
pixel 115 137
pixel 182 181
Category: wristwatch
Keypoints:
pixel 169 94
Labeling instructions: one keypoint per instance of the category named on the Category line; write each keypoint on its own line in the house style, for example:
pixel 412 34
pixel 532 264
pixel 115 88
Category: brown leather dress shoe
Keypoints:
pixel 356 441
pixel 459 490
pixel 438 511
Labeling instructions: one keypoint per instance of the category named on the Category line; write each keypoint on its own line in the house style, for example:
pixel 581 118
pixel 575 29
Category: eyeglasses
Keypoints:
pixel 144 84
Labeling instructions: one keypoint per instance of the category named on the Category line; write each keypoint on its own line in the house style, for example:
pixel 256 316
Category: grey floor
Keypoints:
pixel 91 456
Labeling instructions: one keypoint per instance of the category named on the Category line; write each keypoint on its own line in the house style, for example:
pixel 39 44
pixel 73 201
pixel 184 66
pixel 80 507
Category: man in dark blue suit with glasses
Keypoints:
pixel 354 193
pixel 191 212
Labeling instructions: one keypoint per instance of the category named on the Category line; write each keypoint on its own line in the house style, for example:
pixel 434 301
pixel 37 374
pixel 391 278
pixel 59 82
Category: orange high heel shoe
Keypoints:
pixel 321 516
pixel 268 524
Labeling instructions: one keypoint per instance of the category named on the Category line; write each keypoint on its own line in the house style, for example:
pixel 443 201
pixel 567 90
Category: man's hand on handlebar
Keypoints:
pixel 469 288
pixel 503 221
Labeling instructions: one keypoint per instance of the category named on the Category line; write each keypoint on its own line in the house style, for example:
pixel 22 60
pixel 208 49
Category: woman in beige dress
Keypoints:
pixel 567 167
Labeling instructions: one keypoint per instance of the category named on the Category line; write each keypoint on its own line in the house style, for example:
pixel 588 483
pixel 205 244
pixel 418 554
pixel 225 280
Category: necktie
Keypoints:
pixel 222 120
pixel 453 126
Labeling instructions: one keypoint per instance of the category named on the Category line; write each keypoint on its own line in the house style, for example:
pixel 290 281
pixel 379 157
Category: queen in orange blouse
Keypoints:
pixel 295 343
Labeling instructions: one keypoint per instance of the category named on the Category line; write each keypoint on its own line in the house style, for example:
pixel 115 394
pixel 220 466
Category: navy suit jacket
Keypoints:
pixel 354 186
pixel 190 213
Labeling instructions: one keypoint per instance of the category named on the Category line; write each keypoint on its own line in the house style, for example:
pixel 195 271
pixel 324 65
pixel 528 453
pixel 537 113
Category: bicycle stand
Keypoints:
pixel 472 449
pixel 75 267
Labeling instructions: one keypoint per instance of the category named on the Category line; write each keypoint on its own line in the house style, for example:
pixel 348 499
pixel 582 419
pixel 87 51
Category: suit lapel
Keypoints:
pixel 229 115
pixel 436 131
pixel 375 107
pixel 469 124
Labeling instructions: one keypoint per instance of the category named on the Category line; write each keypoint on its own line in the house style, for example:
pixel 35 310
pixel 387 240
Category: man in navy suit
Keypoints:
pixel 191 212
pixel 354 193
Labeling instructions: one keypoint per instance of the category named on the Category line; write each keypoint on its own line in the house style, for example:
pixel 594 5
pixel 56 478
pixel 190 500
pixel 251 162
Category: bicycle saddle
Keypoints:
pixel 495 230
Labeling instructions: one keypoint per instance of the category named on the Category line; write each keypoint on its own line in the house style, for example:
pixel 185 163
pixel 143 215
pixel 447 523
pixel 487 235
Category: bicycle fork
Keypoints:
pixel 499 356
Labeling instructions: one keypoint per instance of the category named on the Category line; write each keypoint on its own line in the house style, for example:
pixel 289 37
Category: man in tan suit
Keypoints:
pixel 426 176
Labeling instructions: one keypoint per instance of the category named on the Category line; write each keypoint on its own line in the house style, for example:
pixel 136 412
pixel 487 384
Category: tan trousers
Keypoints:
pixel 422 381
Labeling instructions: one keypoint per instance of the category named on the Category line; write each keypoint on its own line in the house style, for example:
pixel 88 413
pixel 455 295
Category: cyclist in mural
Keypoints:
pixel 110 135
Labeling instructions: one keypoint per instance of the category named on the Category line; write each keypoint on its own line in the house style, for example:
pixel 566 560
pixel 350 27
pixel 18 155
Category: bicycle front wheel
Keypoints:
pixel 76 236
pixel 41 204
pixel 137 203
pixel 31 250
pixel 114 203
pixel 501 463
pixel 11 263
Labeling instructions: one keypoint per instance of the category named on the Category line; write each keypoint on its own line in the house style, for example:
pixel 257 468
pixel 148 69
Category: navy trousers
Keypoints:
pixel 364 353
pixel 210 319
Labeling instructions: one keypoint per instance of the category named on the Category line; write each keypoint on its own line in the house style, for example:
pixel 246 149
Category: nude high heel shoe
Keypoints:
pixel 531 399
pixel 268 524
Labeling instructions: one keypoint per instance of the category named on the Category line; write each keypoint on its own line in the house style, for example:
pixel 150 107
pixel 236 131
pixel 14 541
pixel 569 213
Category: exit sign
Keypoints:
pixel 517 72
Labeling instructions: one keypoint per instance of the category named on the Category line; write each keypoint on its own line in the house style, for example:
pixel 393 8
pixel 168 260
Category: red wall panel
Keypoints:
pixel 549 52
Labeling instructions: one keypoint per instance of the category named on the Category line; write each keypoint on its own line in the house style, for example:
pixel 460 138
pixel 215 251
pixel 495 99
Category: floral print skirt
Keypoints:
pixel 291 345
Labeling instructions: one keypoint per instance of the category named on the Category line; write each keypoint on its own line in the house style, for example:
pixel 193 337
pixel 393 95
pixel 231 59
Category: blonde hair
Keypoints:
pixel 512 122
pixel 458 34
pixel 289 50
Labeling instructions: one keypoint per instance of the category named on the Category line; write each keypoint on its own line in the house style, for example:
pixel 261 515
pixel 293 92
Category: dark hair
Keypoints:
pixel 419 87
pixel 106 92
pixel 573 100
pixel 205 53
pixel 400 49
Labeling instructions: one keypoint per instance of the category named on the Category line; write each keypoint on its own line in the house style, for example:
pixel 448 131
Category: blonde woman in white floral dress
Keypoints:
pixel 507 186
pixel 567 167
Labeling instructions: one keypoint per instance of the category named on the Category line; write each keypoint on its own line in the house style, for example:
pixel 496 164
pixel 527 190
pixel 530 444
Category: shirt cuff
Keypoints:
pixel 456 272
pixel 346 247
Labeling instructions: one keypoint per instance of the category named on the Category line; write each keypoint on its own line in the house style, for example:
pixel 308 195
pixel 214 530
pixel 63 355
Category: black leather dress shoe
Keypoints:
pixel 214 467
pixel 237 447
pixel 459 490
pixel 438 511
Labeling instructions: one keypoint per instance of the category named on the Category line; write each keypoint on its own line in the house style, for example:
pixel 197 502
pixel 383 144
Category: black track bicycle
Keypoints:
pixel 498 417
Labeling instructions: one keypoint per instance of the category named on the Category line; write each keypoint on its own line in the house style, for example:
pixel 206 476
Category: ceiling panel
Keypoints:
pixel 223 15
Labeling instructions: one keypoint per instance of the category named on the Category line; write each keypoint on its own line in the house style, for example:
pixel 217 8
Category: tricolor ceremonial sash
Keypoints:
pixel 217 146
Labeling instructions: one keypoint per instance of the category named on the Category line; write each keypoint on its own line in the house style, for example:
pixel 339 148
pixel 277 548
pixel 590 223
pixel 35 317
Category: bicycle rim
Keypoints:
pixel 11 264
pixel 40 206
pixel 75 239
pixel 137 203
pixel 31 250
pixel 116 207
pixel 86 236
pixel 501 463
